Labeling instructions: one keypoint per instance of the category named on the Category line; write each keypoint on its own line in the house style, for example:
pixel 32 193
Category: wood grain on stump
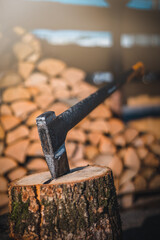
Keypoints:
pixel 79 205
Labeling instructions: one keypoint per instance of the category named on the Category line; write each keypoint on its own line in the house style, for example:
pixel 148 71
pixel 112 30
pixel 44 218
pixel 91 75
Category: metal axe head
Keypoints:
pixel 55 154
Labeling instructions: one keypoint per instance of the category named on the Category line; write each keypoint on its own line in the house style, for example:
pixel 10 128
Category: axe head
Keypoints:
pixel 55 156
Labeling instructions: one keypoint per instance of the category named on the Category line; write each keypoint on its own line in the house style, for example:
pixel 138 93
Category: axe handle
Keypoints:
pixel 68 119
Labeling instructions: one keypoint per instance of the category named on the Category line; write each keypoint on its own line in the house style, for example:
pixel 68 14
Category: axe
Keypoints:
pixel 53 129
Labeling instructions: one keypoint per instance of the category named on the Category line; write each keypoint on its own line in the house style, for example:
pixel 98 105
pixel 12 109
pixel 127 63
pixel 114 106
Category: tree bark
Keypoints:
pixel 79 205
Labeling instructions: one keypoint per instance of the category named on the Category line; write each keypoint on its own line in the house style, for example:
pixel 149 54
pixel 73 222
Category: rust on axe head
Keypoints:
pixel 53 130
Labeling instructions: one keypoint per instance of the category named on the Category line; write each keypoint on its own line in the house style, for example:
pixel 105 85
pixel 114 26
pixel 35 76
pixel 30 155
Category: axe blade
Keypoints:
pixel 56 159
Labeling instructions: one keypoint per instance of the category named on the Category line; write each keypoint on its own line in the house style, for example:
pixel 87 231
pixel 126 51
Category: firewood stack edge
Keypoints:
pixel 42 84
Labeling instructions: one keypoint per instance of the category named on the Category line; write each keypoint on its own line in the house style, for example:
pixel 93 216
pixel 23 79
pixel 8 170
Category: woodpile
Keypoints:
pixel 39 85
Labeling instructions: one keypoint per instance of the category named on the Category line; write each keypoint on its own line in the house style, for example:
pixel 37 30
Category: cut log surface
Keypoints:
pixel 23 108
pixel 52 67
pixel 6 164
pixel 10 79
pixel 15 93
pixel 79 205
pixel 5 110
pixel 25 68
pixel 14 135
pixel 9 122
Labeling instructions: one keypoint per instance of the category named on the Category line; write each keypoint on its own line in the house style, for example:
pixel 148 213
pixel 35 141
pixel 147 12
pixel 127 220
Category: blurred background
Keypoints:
pixel 56 52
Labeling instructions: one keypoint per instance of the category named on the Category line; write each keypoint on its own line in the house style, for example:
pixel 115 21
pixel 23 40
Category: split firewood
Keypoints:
pixel 131 159
pixel 100 112
pixel 90 152
pixel 27 38
pixel 35 79
pixel 2 133
pixel 155 182
pixel 151 160
pixel 6 164
pixel 98 125
pixel 70 148
pixel 116 166
pixel 61 94
pixel 127 175
pixel 3 184
pixel 119 140
pixel 148 172
pixel 31 121
pixel 130 134
pixel 58 108
pixel 140 183
pixel 44 88
pixel 58 83
pixel 73 75
pixel 106 146
pixel 34 91
pixel 35 149
pixel 44 100
pixel 23 108
pixel 1 147
pixel 33 135
pixel 9 122
pixel 17 173
pixel 83 203
pixel 121 153
pixel 22 50
pixel 19 133
pixel 76 135
pixel 9 80
pixel 19 30
pixel 114 102
pixel 127 187
pixel 15 93
pixel 25 69
pixel 3 199
pixel 33 58
pixel 94 138
pixel 138 142
pixel 148 138
pixel 79 153
pixel 143 100
pixel 142 152
pixel 17 150
pixel 5 110
pixel 115 126
pixel 37 164
pixel 84 124
pixel 51 66
pixel 80 163
pixel 155 147
pixel 127 201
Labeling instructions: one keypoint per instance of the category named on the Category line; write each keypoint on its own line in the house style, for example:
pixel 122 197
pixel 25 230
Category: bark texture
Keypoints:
pixel 76 210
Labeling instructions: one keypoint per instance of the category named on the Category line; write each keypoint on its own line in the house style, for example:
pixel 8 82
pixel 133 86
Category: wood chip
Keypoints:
pixel 100 112
pixel 148 172
pixel 70 148
pixel 31 121
pixel 51 66
pixel 3 199
pixel 127 175
pixel 22 50
pixel 119 140
pixel 6 164
pixel 127 187
pixel 155 147
pixel 5 110
pixel 98 125
pixel 3 184
pixel 155 182
pixel 142 152
pixel 35 149
pixel 76 135
pixel 151 161
pixel 25 69
pixel 73 75
pixel 15 93
pixel 35 79
pixel 19 133
pixel 94 138
pixel 23 108
pixel 9 122
pixel 115 126
pixel 44 100
pixel 90 152
pixel 37 164
pixel 140 183
pixel 131 159
pixel 58 108
pixel 2 133
pixel 130 134
pixel 106 146
pixel 18 150
pixel 17 173
pixel 33 135
pixel 9 80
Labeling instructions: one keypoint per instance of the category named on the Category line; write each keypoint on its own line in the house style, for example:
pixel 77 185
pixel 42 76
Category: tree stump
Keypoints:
pixel 79 205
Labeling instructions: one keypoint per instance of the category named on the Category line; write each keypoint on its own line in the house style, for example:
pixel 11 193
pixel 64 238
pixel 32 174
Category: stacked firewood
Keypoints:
pixel 39 85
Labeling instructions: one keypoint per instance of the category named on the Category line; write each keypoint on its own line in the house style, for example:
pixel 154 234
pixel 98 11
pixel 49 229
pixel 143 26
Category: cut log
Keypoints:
pixel 37 164
pixel 17 173
pixel 44 100
pixel 3 184
pixel 23 108
pixel 98 125
pixel 10 122
pixel 106 146
pixel 142 152
pixel 35 149
pixel 5 110
pixel 155 148
pixel 115 126
pixel 33 135
pixel 90 152
pixel 131 159
pixel 151 161
pixel 18 150
pixel 127 175
pixel 33 91
pixel 58 83
pixel 51 66
pixel 73 75
pixel 130 134
pixel 140 183
pixel 6 164
pixel 25 69
pixel 100 112
pixel 15 93
pixel 127 187
pixel 94 138
pixel 148 139
pixel 3 199
pixel 9 80
pixel 155 182
pixel 61 94
pixel 31 121
pixel 76 135
pixel 119 140
pixel 19 133
pixel 138 142
pixel 35 79
pixel 89 194
pixel 2 133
